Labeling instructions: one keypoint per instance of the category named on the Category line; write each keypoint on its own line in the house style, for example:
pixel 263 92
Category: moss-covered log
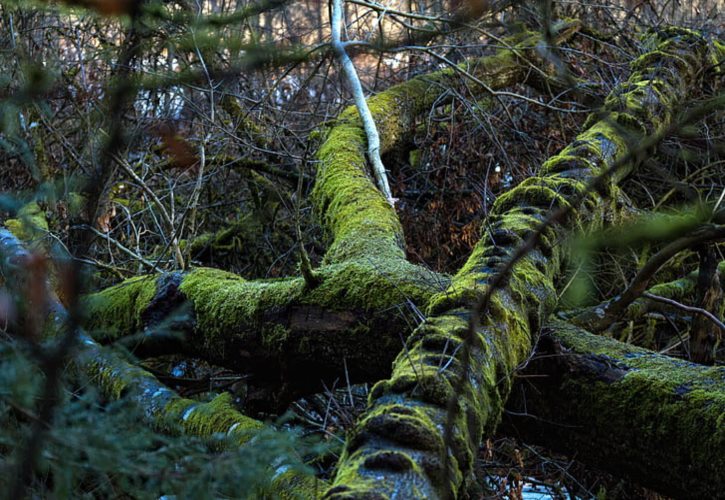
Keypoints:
pixel 359 219
pixel 657 420
pixel 358 314
pixel 164 409
pixel 280 330
pixel 398 448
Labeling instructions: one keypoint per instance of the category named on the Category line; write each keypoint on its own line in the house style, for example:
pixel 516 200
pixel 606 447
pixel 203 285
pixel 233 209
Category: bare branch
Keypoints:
pixel 371 131
pixel 680 305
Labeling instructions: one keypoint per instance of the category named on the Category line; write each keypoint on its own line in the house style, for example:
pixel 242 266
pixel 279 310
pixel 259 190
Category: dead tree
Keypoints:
pixel 453 374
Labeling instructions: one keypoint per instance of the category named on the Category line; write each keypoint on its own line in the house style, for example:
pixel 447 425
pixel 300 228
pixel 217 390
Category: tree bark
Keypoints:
pixel 632 412
pixel 705 335
pixel 398 447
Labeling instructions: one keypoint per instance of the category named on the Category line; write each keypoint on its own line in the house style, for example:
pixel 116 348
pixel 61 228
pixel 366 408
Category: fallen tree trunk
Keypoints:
pixel 398 447
pixel 279 330
pixel 163 408
pixel 359 314
pixel 657 420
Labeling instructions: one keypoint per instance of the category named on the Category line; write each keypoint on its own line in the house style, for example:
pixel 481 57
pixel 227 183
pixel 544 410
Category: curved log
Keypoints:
pixel 359 219
pixel 656 420
pixel 398 448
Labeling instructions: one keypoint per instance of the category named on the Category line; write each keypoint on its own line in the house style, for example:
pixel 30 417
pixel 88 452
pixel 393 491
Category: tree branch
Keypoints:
pixel 371 130
pixel 683 307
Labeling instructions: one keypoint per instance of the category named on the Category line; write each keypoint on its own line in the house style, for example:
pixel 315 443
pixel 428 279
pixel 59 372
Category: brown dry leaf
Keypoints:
pixel 104 220
pixel 178 148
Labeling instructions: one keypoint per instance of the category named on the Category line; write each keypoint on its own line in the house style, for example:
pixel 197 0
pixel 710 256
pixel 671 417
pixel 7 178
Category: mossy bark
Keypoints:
pixel 359 219
pixel 282 331
pixel 358 316
pixel 656 420
pixel 398 448
pixel 115 377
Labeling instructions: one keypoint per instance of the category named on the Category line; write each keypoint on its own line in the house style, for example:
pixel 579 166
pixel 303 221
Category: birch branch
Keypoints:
pixel 371 131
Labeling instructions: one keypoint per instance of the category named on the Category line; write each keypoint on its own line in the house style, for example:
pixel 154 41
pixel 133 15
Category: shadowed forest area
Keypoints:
pixel 362 250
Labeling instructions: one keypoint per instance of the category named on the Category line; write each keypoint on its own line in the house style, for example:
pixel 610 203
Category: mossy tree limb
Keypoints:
pixel 601 317
pixel 281 331
pixel 398 448
pixel 680 290
pixel 358 217
pixel 657 420
pixel 164 409
pixel 357 315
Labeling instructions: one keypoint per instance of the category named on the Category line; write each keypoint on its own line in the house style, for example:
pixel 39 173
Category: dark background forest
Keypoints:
pixel 157 138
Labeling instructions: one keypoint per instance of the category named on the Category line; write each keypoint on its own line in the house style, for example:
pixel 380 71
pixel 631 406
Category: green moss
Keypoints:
pixel 116 311
pixel 232 312
pixel 663 402
pixel 716 55
pixel 509 229
pixel 374 284
pixel 548 192
pixel 30 222
pixel 224 304
pixel 359 220
pixel 214 417
pixel 166 409
pixel 571 161
pixel 113 376
pixel 412 404
pixel 291 485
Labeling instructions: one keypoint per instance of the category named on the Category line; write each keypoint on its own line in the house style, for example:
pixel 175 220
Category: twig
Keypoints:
pixel 164 213
pixel 639 284
pixel 371 131
pixel 680 305
pixel 124 249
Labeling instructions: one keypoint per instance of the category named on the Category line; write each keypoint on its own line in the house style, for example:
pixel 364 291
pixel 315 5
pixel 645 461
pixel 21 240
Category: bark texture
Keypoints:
pixel 657 420
pixel 398 449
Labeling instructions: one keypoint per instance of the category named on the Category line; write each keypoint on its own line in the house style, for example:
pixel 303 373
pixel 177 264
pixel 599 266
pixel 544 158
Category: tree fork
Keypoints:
pixel 398 447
